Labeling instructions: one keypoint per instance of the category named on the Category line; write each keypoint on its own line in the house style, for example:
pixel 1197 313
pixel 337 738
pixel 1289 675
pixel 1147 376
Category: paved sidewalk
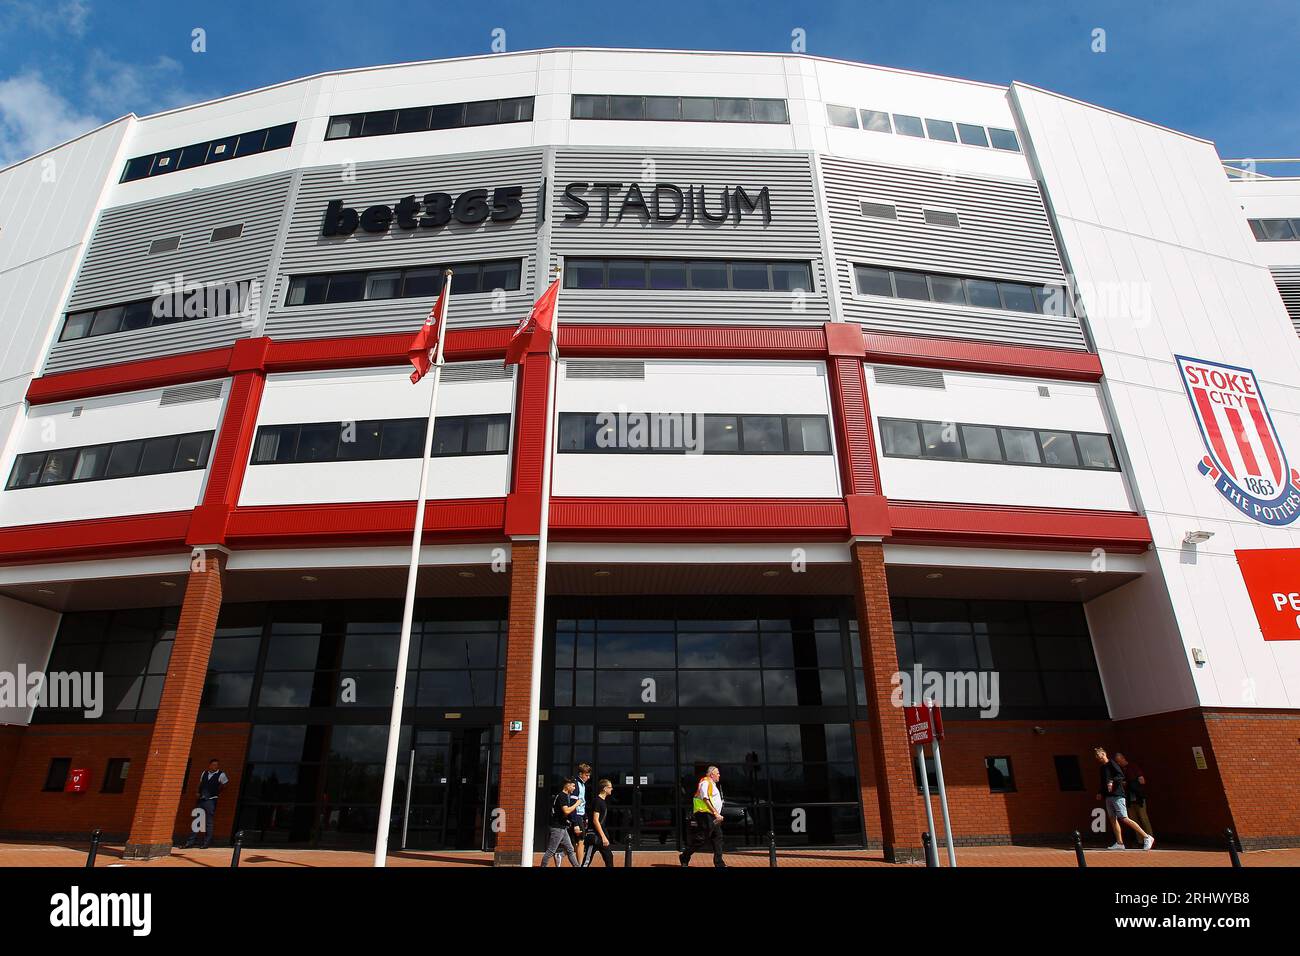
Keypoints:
pixel 74 855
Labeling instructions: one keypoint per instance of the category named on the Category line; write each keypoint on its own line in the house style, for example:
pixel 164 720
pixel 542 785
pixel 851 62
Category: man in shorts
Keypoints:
pixel 1112 791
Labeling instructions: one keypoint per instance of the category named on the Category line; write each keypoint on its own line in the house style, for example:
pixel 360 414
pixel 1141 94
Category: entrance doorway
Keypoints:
pixel 446 802
pixel 642 765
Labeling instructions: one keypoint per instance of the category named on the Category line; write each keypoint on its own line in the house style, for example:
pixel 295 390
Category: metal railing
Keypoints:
pixel 1248 169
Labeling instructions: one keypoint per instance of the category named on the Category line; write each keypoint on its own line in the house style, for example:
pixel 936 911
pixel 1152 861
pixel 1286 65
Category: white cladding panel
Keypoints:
pixel 1166 265
pixel 758 388
pixel 110 418
pixel 26 638
pixel 997 400
pixel 363 394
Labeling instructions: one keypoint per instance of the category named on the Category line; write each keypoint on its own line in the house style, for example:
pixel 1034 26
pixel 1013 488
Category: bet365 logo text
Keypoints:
pixel 1244 455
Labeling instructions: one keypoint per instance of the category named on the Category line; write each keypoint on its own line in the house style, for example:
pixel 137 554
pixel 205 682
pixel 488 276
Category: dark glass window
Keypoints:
pixel 115 775
pixel 873 281
pixel 706 274
pixel 842 116
pixel 663 108
pixel 1001 777
pixel 453 435
pixel 908 125
pixel 876 120
pixel 694 109
pixel 992 443
pixel 972 135
pixel 941 130
pixel 956 290
pixel 122 459
pixel 57 776
pixel 467 277
pixel 718 434
pixel 417 119
pixel 1004 139
pixel 1274 230
pixel 213 151
pixel 1069 776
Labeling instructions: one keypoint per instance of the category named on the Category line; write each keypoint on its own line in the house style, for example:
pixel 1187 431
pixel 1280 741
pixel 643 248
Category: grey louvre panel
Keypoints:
pixel 1004 234
pixel 185 394
pixel 941 217
pixel 912 377
pixel 1288 286
pixel 793 234
pixel 879 210
pixel 222 233
pixel 1044 392
pixel 475 372
pixel 587 368
pixel 306 251
pixel 77 410
pixel 169 244
pixel 116 269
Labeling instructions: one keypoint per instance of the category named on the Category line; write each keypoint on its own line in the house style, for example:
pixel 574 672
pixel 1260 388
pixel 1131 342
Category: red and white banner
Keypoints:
pixel 1272 577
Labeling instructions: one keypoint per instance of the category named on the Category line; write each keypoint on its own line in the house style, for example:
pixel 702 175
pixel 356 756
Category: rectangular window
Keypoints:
pixel 842 116
pixel 972 135
pixel 876 121
pixel 1273 230
pixel 115 775
pixel 873 281
pixel 941 130
pixel 418 282
pixel 1004 139
pixel 908 125
pixel 707 274
pixel 318 442
pixel 57 776
pixel 584 432
pixel 213 151
pixel 124 459
pixel 954 441
pixel 418 119
pixel 956 290
pixel 688 109
pixel 1001 777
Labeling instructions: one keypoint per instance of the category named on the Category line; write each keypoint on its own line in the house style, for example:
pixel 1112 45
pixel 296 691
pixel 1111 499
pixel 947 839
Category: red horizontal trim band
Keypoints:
pixel 699 519
pixel 1058 529
pixel 966 356
pixel 95 538
pixel 130 376
pixel 383 522
pixel 360 351
pixel 694 341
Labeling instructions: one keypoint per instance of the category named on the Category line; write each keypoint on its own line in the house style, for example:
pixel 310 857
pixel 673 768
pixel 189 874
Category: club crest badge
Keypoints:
pixel 1244 454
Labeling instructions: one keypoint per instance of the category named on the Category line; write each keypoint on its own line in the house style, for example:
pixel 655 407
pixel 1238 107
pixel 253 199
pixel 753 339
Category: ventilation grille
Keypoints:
pixel 169 244
pixel 582 368
pixel 1288 286
pixel 941 217
pixel 475 372
pixel 911 377
pixel 1044 392
pixel 879 210
pixel 184 394
pixel 77 410
pixel 227 232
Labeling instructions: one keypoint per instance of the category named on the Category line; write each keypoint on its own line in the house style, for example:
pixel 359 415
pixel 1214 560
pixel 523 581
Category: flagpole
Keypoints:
pixel 408 609
pixel 539 605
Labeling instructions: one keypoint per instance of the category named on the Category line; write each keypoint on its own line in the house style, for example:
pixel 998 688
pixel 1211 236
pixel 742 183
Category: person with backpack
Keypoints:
pixel 562 809
pixel 1113 792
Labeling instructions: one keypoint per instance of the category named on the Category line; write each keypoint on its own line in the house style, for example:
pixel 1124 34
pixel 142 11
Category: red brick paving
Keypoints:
pixel 73 855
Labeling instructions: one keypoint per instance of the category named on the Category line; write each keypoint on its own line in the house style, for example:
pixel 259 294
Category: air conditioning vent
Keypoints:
pixel 184 394
pixel 1044 392
pixel 595 368
pixel 227 232
pixel 475 372
pixel 879 210
pixel 168 244
pixel 910 377
pixel 941 217
pixel 77 410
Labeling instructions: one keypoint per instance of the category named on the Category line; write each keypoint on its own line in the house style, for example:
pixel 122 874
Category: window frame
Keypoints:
pixel 175 160
pixel 435 115
pixel 463 420
pixel 606 114
pixel 589 421
pixel 1039 293
pixel 478 268
pixel 964 457
pixel 177 438
pixel 591 263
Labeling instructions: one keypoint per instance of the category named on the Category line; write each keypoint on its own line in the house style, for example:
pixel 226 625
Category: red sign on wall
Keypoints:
pixel 78 780
pixel 1272 579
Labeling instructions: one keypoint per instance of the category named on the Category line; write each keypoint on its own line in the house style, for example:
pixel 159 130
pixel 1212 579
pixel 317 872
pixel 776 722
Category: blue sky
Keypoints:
pixel 1219 70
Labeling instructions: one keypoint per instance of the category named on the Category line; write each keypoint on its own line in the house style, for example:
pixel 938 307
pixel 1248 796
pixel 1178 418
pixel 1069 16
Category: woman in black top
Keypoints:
pixel 598 817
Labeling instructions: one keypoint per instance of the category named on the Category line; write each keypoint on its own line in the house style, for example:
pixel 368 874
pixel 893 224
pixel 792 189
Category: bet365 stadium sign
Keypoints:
pixel 1244 455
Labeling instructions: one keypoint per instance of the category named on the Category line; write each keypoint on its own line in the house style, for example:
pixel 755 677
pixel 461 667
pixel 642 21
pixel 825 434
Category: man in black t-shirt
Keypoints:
pixel 562 808
pixel 598 821
pixel 1136 783
pixel 1112 790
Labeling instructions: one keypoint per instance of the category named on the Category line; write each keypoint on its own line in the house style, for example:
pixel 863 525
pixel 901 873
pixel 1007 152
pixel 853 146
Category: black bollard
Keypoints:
pixel 238 845
pixel 1078 851
pixel 1233 847
pixel 771 848
pixel 94 849
pixel 627 852
pixel 931 855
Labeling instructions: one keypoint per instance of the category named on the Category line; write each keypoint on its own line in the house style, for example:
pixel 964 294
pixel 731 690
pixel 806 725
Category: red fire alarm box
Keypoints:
pixel 78 781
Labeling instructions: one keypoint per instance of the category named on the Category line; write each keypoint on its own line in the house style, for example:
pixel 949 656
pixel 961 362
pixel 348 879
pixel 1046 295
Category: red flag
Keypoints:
pixel 541 318
pixel 425 343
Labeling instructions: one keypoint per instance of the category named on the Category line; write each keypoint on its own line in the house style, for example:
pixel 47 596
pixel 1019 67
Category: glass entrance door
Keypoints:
pixel 445 810
pixel 642 765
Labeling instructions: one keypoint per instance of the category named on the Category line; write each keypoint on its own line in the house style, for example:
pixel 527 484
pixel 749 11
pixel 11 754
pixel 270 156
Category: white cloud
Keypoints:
pixel 69 16
pixel 34 116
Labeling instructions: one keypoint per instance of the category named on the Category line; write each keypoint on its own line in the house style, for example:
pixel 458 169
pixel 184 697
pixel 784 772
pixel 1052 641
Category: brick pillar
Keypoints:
pixel 515 788
pixel 152 827
pixel 900 832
